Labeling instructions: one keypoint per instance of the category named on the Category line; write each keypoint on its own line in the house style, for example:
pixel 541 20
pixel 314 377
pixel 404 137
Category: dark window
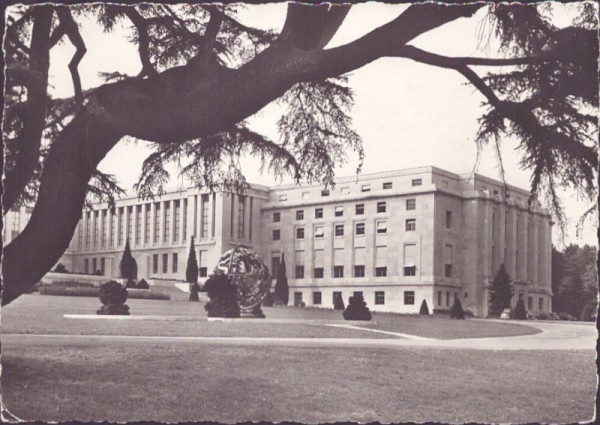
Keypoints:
pixel 448 219
pixel 318 272
pixel 297 298
pixel 102 265
pixel 447 299
pixel 339 211
pixel 318 212
pixel 439 298
pixel 355 293
pixel 336 295
pixel 300 233
pixel 316 298
pixel 529 303
pixel 417 182
pixel 276 217
pixel 325 192
pixel 319 232
pixel 203 272
pixel 409 297
pixel 300 215
pixel 174 262
pixel 410 271
pixel 365 188
pixel 381 227
pixel 387 185
pixel 541 304
pixel 339 230
pixel 165 268
pixel 299 272
pixel 338 271
pixel 411 204
pixel 448 270
pixel 274 266
pixel 360 228
pixel 359 209
pixel 411 224
pixel 379 297
pixel 276 235
pixel 86 266
pixel 94 265
pixel 381 207
pixel 155 263
pixel 359 271
pixel 380 271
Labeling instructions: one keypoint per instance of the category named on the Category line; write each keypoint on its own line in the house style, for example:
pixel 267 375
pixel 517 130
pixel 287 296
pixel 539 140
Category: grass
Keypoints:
pixel 171 382
pixel 44 314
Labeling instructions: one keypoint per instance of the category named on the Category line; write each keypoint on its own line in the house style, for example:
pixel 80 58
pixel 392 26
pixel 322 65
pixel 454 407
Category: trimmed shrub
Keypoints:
pixel 223 297
pixel 357 309
pixel 194 289
pixel 338 302
pixel 519 313
pixel 142 284
pixel 113 297
pixel 130 284
pixel 268 300
pixel 70 292
pixel 191 270
pixel 424 310
pixel 588 313
pixel 257 312
pixel 148 295
pixel 456 312
pixel 128 265
pixel 441 312
pixel 566 316
pixel 501 292
pixel 60 268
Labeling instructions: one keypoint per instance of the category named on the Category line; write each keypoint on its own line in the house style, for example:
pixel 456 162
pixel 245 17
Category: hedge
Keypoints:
pixel 95 292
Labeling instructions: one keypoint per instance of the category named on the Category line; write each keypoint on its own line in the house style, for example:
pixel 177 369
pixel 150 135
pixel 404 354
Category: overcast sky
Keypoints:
pixel 408 114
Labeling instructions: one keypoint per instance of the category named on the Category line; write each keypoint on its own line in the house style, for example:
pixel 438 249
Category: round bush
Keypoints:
pixel 357 309
pixel 589 313
pixel 142 284
pixel 223 297
pixel 456 312
pixel 112 293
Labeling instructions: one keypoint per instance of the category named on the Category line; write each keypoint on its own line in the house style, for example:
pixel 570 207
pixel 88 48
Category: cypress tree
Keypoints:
pixel 191 273
pixel 424 310
pixel 128 265
pixel 520 312
pixel 501 292
pixel 282 290
pixel 456 312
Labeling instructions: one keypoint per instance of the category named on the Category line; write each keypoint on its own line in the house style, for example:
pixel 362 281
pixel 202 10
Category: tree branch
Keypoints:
pixel 70 29
pixel 143 39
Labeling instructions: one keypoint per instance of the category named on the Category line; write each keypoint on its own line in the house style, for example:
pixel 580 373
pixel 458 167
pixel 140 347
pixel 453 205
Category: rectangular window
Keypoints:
pixel 86 266
pixel 95 231
pixel 203 271
pixel 529 303
pixel 439 298
pixel 299 272
pixel 339 211
pixel 138 225
pixel 339 230
pixel 411 225
pixel 448 219
pixel 300 215
pixel 417 182
pixel 184 221
pixel 316 298
pixel 113 227
pixel 345 190
pixel 382 227
pixel 155 263
pixel 387 185
pixel 147 226
pixel 359 271
pixel 409 297
pixel 102 265
pixel 379 297
pixel 318 273
pixel 299 232
pixel 381 207
pixel 359 209
pixel 325 192
pixel 156 225
pixel 204 216
pixel 448 270
pixel 448 261
pixel 241 217
pixel 335 296
pixel 94 265
pixel 276 217
pixel 318 212
pixel 276 234
pixel 338 271
pixel 121 225
pixel 365 188
pixel 411 204
pixel 305 195
pixel 447 299
pixel 410 271
pixel 174 262
pixel 202 263
pixel 103 224
pixel 283 197
pixel 410 258
pixel 541 304
pixel 380 271
pixel 130 224
pixel 319 232
pixel 360 229
pixel 357 293
pixel 165 259
pixel 297 298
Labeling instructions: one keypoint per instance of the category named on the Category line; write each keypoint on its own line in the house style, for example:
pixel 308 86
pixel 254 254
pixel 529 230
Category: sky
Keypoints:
pixel 408 114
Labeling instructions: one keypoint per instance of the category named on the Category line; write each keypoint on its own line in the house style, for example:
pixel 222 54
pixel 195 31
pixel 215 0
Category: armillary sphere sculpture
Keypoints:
pixel 247 271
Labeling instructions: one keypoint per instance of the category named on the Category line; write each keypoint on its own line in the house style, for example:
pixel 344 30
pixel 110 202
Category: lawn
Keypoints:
pixel 51 380
pixel 44 314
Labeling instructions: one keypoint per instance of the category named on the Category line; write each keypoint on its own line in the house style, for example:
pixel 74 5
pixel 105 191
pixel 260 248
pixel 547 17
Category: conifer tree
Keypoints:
pixel 191 273
pixel 282 290
pixel 128 265
pixel 501 292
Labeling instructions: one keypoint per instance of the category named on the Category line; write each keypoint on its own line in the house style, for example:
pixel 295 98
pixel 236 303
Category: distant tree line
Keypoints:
pixel 574 279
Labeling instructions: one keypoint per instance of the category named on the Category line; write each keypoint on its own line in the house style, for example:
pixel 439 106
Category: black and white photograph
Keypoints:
pixel 300 212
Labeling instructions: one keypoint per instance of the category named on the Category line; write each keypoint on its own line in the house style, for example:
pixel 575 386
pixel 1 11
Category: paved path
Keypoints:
pixel 554 336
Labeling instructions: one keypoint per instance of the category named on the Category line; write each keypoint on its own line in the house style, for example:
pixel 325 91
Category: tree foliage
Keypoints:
pixel 282 290
pixel 204 72
pixel 128 265
pixel 191 270
pixel 501 291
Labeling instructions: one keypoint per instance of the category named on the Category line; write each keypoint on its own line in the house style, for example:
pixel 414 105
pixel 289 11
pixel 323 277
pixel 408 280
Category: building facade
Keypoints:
pixel 398 237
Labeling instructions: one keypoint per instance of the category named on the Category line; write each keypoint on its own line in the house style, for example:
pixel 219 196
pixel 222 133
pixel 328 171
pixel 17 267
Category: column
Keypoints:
pixel 161 222
pixel 152 222
pixel 524 249
pixel 510 243
pixel 182 232
pixel 171 222
pixel 533 251
pixel 134 226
